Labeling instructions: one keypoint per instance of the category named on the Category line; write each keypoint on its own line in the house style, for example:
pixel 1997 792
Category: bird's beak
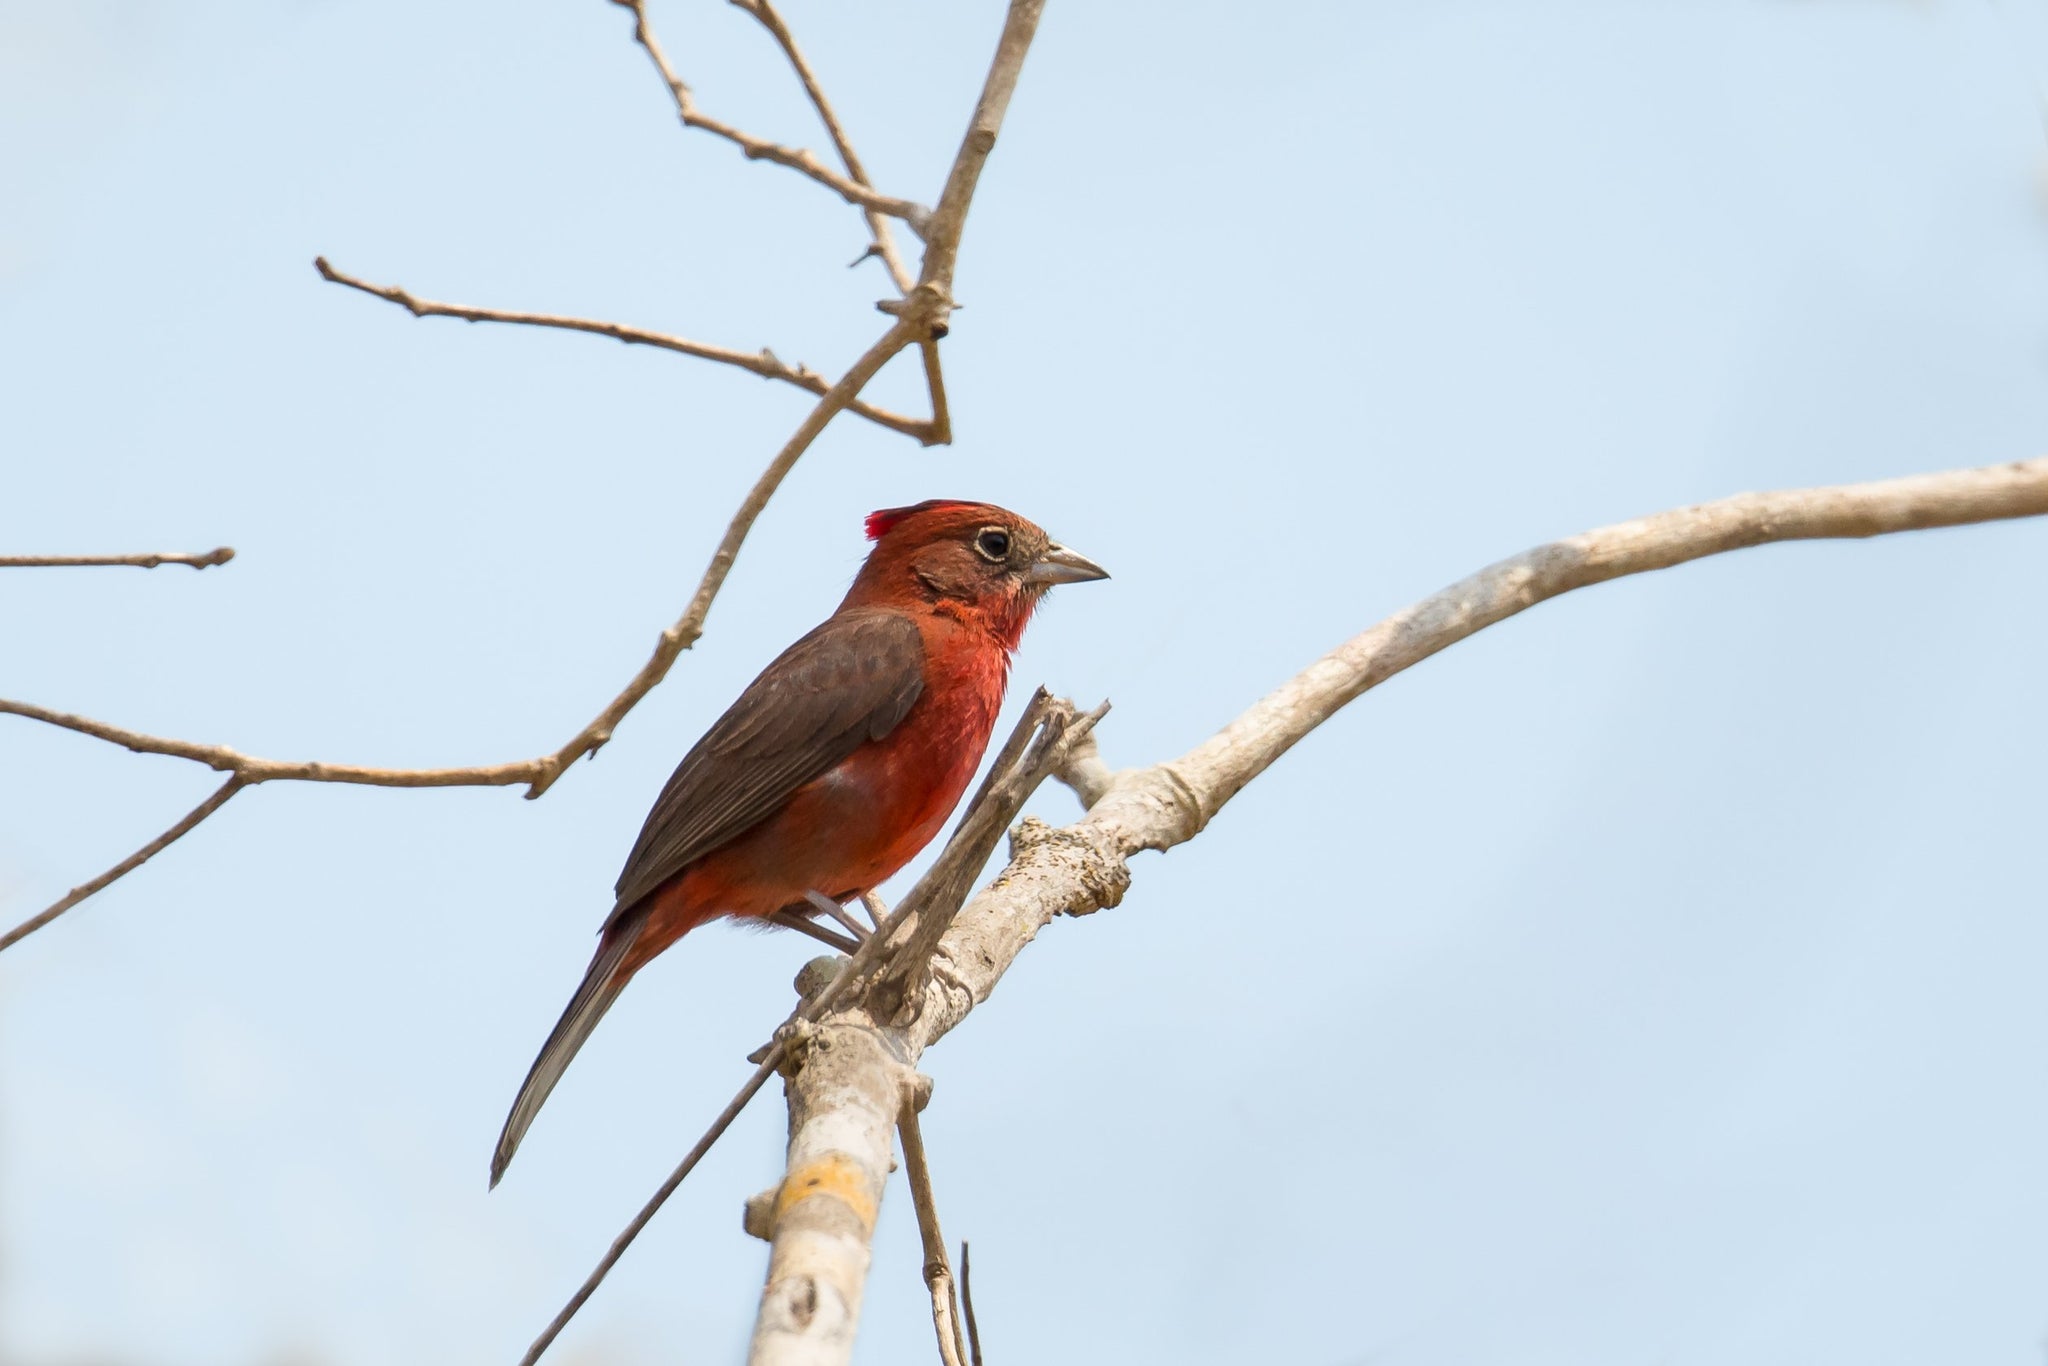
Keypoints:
pixel 1061 565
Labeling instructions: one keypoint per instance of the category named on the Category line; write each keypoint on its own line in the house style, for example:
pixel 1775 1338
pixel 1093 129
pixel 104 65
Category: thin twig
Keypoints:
pixel 949 219
pixel 127 865
pixel 938 1276
pixel 764 362
pixel 878 223
pixel 967 1303
pixel 625 1239
pixel 218 555
pixel 538 774
pixel 758 149
pixel 940 428
pixel 690 625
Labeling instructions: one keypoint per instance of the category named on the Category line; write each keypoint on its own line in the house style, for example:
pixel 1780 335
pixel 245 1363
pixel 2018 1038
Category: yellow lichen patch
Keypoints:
pixel 830 1175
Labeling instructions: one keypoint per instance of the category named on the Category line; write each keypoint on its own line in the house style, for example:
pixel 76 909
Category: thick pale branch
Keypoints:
pixel 1218 769
pixel 1084 867
pixel 758 149
pixel 764 362
pixel 218 555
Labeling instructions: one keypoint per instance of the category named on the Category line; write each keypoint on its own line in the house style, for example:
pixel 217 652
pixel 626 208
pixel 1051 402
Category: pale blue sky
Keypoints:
pixel 1657 978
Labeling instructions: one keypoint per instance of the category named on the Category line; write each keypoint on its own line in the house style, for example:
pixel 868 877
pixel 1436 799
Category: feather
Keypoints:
pixel 851 680
pixel 602 983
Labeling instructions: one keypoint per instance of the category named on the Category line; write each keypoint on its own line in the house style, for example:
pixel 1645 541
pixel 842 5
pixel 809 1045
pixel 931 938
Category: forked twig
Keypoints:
pixel 801 160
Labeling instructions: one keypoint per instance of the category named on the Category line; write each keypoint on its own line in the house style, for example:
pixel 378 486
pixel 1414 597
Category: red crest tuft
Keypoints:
pixel 880 523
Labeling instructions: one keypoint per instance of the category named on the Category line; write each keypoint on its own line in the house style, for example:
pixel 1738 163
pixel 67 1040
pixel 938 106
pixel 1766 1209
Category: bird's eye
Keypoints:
pixel 994 543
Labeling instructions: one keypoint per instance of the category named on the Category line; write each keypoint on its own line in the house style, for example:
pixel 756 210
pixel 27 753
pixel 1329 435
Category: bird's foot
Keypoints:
pixel 803 924
pixel 839 913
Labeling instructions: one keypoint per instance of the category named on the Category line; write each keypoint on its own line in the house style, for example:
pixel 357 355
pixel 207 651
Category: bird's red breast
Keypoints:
pixel 854 826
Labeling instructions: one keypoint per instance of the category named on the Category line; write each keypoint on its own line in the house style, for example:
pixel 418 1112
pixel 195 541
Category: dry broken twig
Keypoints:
pixel 218 555
pixel 764 362
pixel 861 1056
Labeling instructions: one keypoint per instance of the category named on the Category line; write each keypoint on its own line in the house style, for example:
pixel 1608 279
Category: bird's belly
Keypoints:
pixel 843 833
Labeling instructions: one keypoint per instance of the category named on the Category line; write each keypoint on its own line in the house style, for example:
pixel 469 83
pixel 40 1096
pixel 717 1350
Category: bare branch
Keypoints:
pixel 764 362
pixel 878 224
pixel 218 555
pixel 731 1112
pixel 967 1303
pixel 1084 867
pixel 252 770
pixel 941 425
pixel 919 318
pixel 690 625
pixel 127 865
pixel 938 1276
pixel 538 774
pixel 949 220
pixel 757 149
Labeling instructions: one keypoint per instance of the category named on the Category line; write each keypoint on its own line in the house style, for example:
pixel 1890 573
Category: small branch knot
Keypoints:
pixel 757 1218
pixel 1103 878
pixel 817 974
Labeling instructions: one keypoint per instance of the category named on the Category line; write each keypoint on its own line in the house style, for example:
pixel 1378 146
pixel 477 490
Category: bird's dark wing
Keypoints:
pixel 849 681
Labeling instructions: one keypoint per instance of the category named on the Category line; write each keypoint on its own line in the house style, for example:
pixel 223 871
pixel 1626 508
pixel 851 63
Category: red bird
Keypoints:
pixel 837 764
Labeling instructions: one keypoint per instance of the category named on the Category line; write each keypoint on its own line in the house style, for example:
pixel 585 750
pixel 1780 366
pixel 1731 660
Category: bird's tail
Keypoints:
pixel 602 983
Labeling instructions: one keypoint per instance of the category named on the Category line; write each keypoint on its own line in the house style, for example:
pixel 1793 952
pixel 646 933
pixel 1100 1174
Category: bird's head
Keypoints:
pixel 983 559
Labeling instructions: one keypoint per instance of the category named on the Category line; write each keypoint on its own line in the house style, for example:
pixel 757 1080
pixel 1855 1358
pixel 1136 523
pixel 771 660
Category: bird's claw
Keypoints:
pixel 827 906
